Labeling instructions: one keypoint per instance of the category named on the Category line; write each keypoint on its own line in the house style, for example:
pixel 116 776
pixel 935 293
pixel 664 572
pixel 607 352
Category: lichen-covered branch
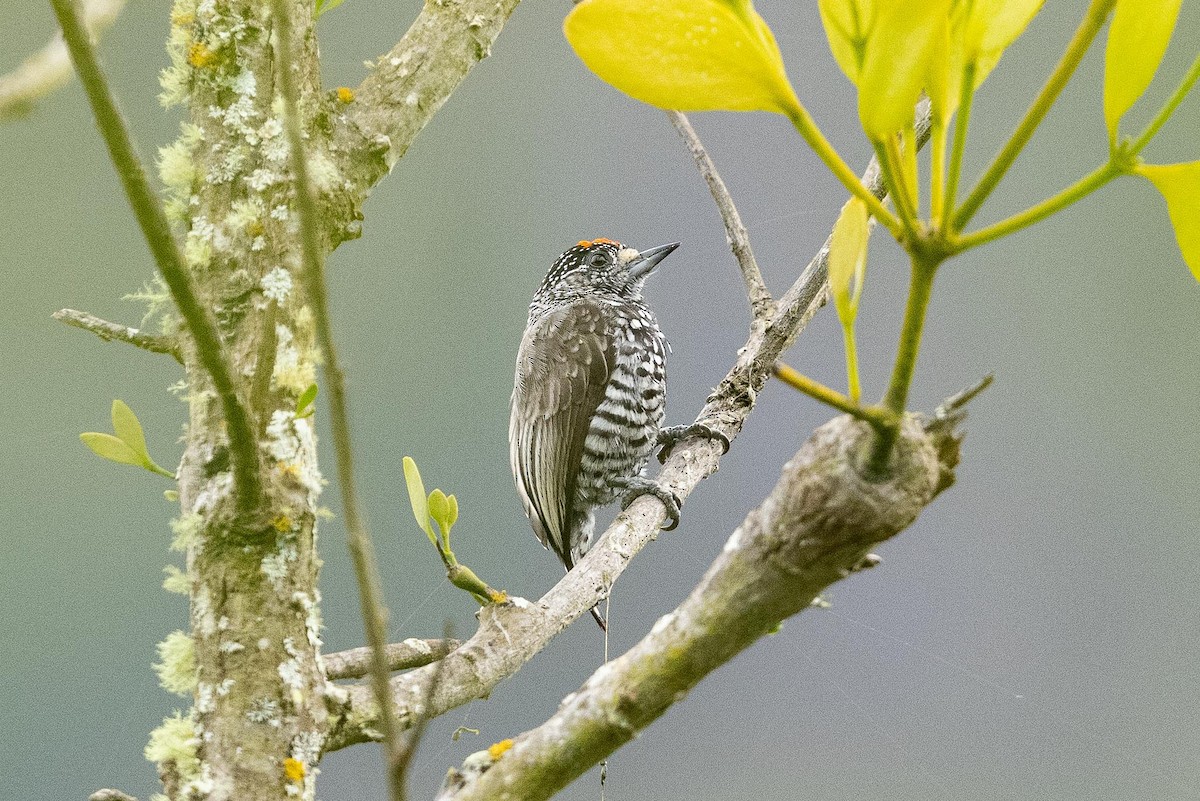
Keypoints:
pixel 410 83
pixel 510 635
pixel 815 528
pixel 405 655
pixel 50 67
pixel 109 331
pixel 761 304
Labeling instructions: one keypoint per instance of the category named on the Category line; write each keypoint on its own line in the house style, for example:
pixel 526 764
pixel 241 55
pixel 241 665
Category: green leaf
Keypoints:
pixel 1179 185
pixel 902 43
pixel 1137 41
pixel 128 429
pixel 439 509
pixel 848 259
pixel 106 446
pixel 453 517
pixel 689 55
pixel 417 497
pixel 326 5
pixel 847 25
pixel 305 401
pixel 976 31
pixel 129 444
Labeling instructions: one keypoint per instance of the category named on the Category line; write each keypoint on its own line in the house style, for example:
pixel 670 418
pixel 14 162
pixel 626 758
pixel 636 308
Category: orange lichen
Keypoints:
pixel 497 750
pixel 345 94
pixel 200 55
pixel 294 769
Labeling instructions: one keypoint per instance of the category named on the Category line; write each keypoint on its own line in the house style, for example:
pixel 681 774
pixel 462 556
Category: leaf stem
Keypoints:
pixel 1076 191
pixel 243 444
pixel 920 289
pixel 362 552
pixel 852 378
pixel 962 120
pixel 877 417
pixel 1093 21
pixel 1181 91
pixel 811 134
pixel 937 172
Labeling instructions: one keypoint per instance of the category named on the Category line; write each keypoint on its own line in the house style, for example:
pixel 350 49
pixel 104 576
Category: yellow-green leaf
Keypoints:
pixel 688 55
pixel 975 31
pixel 109 447
pixel 128 429
pixel 1179 185
pixel 848 258
pixel 903 40
pixel 439 508
pixel 453 516
pixel 847 25
pixel 417 497
pixel 1137 41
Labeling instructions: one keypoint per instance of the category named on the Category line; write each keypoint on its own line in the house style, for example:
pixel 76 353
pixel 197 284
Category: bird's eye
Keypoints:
pixel 598 259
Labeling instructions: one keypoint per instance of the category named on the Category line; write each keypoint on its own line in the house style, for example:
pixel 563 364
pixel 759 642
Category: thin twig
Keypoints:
pixel 878 417
pixel 374 611
pixel 406 655
pixel 109 332
pixel 49 68
pixel 146 207
pixel 761 303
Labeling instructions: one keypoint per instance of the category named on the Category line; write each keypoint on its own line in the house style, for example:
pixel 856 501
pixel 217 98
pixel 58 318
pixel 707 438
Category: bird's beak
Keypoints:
pixel 645 262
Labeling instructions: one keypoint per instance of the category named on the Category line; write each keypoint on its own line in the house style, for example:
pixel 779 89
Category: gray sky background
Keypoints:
pixel 1035 635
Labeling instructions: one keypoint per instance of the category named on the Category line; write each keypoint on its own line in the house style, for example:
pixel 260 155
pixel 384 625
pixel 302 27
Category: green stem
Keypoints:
pixel 1080 189
pixel 911 176
pixel 1185 86
pixel 877 417
pixel 243 444
pixel 937 172
pixel 889 167
pixel 1092 22
pixel 919 290
pixel 811 134
pixel 852 380
pixel 362 552
pixel 962 120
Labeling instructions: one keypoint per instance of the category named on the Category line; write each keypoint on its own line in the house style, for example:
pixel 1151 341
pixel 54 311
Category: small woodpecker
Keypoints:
pixel 590 394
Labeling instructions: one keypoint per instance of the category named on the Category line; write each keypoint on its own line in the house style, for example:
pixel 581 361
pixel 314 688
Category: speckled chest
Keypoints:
pixel 622 432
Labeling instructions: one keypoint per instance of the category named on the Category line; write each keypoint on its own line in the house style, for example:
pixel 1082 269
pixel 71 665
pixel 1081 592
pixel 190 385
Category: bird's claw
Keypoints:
pixel 670 436
pixel 636 487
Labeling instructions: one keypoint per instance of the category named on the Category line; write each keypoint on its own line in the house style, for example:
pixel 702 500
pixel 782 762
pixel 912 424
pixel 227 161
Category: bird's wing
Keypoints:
pixel 562 370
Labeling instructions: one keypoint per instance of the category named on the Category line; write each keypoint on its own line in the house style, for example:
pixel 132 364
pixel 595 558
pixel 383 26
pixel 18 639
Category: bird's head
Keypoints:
pixel 602 267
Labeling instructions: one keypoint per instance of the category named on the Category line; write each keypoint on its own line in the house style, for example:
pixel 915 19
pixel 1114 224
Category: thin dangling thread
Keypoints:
pixel 607 629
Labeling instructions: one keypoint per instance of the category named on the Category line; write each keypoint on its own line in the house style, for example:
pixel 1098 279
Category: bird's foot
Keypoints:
pixel 671 436
pixel 639 485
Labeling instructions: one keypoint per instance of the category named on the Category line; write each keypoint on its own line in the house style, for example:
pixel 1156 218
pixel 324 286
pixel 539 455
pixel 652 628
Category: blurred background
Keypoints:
pixel 1035 634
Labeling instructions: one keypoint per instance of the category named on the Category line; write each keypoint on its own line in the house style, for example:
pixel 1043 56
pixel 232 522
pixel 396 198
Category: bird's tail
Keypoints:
pixel 599 619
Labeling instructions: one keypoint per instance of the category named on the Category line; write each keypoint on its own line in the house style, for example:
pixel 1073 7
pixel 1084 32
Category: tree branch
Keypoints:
pixel 49 68
pixel 815 528
pixel 148 210
pixel 411 82
pixel 405 655
pixel 762 305
pixel 121 333
pixel 509 635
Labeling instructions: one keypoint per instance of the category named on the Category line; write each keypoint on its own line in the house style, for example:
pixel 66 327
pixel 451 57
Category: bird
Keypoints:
pixel 589 395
